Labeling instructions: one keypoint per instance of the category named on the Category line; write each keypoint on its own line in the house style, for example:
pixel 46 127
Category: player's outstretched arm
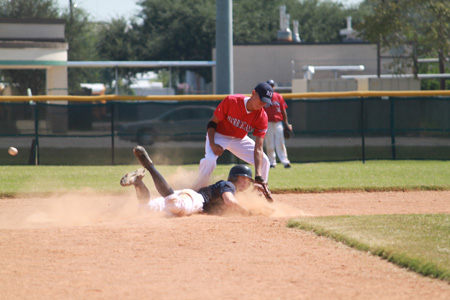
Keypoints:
pixel 231 202
pixel 258 154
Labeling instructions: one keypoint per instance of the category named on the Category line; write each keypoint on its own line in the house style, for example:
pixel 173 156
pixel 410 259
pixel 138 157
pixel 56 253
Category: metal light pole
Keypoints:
pixel 71 8
pixel 224 47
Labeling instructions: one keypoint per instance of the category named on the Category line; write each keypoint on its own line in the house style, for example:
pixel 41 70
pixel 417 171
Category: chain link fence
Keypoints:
pixel 173 131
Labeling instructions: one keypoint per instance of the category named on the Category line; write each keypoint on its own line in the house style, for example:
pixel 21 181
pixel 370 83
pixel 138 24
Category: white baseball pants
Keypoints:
pixel 275 141
pixel 181 203
pixel 242 148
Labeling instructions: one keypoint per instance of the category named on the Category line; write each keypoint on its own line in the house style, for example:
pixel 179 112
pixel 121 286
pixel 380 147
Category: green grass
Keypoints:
pixel 45 180
pixel 354 176
pixel 418 242
pixel 310 177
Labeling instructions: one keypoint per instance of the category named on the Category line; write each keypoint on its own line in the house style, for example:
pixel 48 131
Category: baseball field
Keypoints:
pixel 347 230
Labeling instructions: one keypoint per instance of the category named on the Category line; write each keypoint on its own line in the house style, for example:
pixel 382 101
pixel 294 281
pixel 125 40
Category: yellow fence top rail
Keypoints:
pixel 104 98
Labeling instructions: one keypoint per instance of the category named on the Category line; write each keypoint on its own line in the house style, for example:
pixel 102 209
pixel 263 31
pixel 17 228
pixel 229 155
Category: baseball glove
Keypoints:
pixel 288 133
pixel 262 187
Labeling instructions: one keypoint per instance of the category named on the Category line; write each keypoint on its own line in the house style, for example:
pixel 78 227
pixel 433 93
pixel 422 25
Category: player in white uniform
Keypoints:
pixel 213 199
pixel 277 117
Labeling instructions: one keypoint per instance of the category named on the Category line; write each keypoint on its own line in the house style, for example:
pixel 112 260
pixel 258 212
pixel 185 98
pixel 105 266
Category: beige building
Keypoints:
pixel 36 44
pixel 290 65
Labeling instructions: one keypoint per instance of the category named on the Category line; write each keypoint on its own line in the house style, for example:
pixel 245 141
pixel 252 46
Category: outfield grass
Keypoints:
pixel 311 177
pixel 418 242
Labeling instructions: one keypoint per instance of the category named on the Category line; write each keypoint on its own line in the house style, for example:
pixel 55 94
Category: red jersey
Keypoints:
pixel 274 111
pixel 236 121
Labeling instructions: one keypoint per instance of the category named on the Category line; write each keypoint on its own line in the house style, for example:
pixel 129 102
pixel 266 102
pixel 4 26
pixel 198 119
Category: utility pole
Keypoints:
pixel 224 47
pixel 71 10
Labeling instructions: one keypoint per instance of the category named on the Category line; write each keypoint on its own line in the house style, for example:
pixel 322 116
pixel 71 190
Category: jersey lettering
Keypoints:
pixel 239 124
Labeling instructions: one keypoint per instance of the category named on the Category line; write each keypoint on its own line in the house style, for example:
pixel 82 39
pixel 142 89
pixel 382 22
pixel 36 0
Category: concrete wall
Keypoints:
pixel 256 63
pixel 393 84
pixel 20 54
pixel 36 44
pixel 31 29
pixel 323 85
pixel 344 85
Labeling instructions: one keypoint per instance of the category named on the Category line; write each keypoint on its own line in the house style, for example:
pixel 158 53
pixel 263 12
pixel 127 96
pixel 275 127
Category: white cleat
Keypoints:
pixel 131 178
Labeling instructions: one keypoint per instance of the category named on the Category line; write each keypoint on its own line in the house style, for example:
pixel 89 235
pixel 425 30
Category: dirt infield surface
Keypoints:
pixel 92 247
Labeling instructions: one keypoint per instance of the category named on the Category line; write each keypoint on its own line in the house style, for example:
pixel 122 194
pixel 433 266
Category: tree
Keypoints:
pixel 422 25
pixel 436 30
pixel 119 40
pixel 185 29
pixel 177 30
pixel 81 36
pixel 320 21
pixel 23 9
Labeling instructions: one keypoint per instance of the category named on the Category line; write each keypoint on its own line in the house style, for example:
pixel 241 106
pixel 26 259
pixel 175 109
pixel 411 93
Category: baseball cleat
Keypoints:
pixel 131 178
pixel 142 156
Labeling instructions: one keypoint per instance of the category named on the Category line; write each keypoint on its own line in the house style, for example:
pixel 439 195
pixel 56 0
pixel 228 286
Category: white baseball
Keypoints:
pixel 13 151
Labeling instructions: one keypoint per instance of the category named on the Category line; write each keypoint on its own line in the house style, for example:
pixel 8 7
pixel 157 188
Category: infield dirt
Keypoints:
pixel 85 246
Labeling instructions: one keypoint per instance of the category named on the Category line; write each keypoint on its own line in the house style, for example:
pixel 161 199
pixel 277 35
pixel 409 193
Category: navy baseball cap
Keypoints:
pixel 265 92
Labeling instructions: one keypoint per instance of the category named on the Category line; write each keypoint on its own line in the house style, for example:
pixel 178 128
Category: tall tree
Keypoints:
pixel 81 36
pixel 423 26
pixel 23 9
pixel 185 29
pixel 177 30
pixel 257 21
pixel 119 40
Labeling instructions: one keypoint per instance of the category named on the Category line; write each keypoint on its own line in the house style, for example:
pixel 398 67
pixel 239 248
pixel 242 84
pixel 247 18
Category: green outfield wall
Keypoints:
pixel 99 130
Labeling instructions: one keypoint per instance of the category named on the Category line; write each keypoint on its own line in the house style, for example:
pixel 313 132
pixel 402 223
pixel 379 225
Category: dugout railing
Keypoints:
pixel 99 130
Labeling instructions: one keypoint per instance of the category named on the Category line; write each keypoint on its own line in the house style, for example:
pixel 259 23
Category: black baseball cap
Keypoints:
pixel 265 92
pixel 271 82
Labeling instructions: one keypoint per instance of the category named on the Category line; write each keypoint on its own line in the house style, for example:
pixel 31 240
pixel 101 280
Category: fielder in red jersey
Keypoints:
pixel 233 119
pixel 278 119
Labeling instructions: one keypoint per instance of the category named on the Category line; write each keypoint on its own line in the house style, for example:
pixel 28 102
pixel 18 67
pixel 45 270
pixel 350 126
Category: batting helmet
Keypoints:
pixel 271 82
pixel 239 170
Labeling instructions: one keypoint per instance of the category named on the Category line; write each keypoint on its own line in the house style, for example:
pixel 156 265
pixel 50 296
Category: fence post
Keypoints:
pixel 393 148
pixel 36 133
pixel 112 134
pixel 363 129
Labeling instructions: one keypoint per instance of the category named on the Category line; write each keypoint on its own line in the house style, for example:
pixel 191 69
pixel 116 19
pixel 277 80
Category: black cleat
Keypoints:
pixel 143 157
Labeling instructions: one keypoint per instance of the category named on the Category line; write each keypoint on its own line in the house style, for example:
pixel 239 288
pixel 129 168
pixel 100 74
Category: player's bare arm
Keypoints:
pixel 217 149
pixel 285 119
pixel 231 202
pixel 258 155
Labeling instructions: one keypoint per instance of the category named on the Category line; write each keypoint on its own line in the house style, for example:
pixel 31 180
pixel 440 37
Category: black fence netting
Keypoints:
pixel 174 132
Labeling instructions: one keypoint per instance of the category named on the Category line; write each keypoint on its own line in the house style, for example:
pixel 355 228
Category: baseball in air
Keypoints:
pixel 13 151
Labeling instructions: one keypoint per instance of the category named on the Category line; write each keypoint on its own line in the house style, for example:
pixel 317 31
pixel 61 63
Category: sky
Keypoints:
pixel 105 10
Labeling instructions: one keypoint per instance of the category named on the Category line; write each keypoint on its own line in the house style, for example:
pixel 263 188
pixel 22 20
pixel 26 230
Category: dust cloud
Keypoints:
pixel 81 208
pixel 257 204
pixel 87 207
